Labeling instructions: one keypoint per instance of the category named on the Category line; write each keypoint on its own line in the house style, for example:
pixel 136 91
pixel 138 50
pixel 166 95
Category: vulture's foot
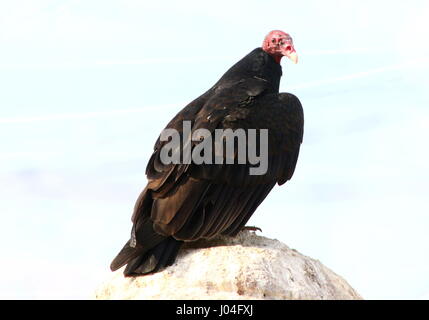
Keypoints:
pixel 251 228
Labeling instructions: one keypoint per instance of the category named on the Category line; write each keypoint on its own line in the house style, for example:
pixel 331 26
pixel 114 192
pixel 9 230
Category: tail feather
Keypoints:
pixel 145 260
pixel 162 255
pixel 126 254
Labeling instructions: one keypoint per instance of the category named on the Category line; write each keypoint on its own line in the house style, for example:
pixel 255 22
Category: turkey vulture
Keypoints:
pixel 190 201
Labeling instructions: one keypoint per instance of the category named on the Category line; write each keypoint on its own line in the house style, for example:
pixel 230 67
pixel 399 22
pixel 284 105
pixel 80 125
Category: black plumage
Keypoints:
pixel 187 202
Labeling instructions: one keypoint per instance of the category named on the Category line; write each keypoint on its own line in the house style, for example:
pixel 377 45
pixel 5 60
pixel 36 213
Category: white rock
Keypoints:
pixel 245 267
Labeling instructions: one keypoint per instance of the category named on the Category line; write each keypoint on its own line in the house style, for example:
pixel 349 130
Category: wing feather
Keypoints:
pixel 200 201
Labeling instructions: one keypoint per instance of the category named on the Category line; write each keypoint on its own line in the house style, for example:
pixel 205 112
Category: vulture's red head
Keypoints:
pixel 279 44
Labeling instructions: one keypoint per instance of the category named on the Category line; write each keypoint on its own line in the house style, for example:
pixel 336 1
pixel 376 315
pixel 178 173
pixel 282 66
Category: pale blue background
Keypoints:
pixel 86 87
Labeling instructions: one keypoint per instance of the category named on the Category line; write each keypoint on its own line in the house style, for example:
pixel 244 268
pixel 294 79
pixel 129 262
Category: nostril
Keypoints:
pixel 289 48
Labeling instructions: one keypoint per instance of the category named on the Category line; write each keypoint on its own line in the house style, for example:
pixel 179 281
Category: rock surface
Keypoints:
pixel 245 267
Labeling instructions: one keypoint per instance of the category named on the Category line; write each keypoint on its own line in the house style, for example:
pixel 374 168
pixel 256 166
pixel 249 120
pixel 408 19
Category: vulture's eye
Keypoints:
pixel 273 40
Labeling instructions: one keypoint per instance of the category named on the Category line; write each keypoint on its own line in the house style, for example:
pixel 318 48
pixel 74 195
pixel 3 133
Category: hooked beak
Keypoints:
pixel 293 57
pixel 289 51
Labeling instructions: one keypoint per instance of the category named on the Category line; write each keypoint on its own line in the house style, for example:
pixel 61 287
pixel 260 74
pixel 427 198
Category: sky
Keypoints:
pixel 87 86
